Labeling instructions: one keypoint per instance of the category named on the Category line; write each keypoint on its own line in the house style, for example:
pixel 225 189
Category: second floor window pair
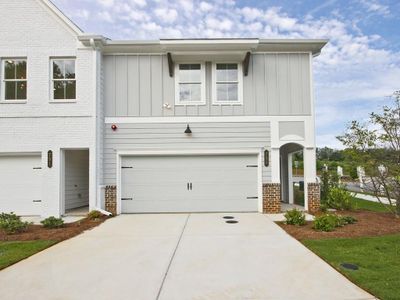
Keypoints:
pixel 15 80
pixel 226 84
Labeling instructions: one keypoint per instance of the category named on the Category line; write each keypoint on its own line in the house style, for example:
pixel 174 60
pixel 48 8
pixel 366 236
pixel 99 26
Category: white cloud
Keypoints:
pixel 205 6
pixel 106 3
pixel 105 16
pixel 216 24
pixel 140 3
pixel 166 15
pixel 375 7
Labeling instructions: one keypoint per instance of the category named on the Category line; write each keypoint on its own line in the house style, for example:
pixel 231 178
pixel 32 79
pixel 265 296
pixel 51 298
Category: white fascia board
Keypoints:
pixel 68 23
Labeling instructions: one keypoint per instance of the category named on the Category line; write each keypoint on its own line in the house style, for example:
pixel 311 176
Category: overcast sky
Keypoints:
pixel 353 76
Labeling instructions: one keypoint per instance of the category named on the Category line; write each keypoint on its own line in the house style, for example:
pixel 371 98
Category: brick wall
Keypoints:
pixel 313 198
pixel 111 199
pixel 272 198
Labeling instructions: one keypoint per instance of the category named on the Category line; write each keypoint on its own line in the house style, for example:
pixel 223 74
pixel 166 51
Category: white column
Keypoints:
pixel 310 173
pixel 290 179
pixel 275 166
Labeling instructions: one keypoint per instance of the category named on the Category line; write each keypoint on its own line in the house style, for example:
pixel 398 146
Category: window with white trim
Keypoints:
pixel 227 83
pixel 190 84
pixel 14 83
pixel 63 79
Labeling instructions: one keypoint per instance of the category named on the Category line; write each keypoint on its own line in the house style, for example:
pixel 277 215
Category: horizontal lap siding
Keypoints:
pixel 139 85
pixel 170 136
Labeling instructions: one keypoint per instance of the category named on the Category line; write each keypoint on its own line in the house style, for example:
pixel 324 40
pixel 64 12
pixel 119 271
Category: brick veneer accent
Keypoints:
pixel 272 198
pixel 314 195
pixel 111 199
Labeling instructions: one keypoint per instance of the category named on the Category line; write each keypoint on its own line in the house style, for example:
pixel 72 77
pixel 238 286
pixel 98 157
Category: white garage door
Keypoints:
pixel 218 183
pixel 21 184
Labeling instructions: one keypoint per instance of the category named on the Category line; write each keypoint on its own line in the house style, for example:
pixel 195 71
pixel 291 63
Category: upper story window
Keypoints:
pixel 227 83
pixel 14 83
pixel 63 81
pixel 190 84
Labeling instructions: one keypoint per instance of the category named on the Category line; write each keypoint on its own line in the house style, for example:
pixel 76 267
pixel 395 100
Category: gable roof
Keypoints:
pixel 61 17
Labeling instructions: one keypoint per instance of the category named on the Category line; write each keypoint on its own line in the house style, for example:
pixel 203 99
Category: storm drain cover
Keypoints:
pixel 231 222
pixel 349 266
pixel 228 217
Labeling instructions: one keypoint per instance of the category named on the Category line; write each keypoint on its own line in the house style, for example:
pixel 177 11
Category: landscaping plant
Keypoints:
pixel 295 217
pixel 329 222
pixel 339 198
pixel 94 215
pixel 52 222
pixel 11 223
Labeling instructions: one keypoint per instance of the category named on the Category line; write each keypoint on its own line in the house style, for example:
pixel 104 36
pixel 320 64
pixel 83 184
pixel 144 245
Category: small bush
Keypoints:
pixel 52 222
pixel 11 223
pixel 94 215
pixel 295 217
pixel 340 199
pixel 327 222
pixel 348 220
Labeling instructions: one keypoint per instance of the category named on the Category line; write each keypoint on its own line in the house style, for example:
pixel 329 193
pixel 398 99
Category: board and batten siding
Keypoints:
pixel 170 136
pixel 139 86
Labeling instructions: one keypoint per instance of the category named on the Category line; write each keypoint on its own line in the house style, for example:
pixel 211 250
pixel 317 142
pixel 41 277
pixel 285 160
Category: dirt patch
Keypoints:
pixel 38 232
pixel 369 224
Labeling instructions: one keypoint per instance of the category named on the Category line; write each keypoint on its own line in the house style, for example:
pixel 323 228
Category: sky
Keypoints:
pixel 355 74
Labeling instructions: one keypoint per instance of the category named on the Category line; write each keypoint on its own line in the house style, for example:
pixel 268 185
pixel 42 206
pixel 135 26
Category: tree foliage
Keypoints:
pixel 375 145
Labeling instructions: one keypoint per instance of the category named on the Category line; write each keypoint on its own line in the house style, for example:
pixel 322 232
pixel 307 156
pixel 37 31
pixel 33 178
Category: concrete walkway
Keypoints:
pixel 178 256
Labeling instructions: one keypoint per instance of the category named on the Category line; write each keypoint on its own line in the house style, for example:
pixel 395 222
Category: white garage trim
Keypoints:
pixel 257 152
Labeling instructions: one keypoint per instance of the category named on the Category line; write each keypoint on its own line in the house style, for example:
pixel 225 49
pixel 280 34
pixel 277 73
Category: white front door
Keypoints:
pixel 21 184
pixel 209 183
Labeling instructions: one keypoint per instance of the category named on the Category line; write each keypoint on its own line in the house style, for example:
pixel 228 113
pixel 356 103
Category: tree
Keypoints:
pixel 375 145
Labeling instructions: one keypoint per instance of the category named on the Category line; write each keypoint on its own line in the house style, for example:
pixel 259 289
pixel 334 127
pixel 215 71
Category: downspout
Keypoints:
pixel 95 93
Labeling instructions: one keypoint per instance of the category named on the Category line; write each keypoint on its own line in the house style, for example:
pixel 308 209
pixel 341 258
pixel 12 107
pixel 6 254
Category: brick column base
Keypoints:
pixel 271 198
pixel 111 199
pixel 314 196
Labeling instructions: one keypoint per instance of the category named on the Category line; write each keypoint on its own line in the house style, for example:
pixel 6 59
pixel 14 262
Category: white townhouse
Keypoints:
pixel 173 125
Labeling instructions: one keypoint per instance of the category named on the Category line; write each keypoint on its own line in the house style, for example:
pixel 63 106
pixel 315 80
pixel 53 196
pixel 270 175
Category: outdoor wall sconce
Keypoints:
pixel 188 130
pixel 114 127
pixel 266 158
pixel 50 158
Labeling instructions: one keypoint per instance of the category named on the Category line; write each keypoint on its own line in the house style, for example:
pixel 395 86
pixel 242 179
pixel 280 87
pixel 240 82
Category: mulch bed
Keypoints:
pixel 38 232
pixel 369 224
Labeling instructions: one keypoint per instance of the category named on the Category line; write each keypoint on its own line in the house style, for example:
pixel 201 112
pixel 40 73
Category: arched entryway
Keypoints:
pixel 292 176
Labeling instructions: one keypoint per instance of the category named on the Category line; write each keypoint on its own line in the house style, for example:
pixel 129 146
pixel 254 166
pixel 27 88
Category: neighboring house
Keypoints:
pixel 195 125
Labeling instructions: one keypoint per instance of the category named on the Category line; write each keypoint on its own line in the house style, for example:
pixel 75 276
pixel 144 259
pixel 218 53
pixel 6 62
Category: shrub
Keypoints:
pixel 94 215
pixel 340 199
pixel 327 222
pixel 52 222
pixel 347 220
pixel 295 217
pixel 11 223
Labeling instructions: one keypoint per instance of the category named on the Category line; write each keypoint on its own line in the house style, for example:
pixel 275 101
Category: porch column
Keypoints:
pixel 290 177
pixel 311 187
pixel 272 190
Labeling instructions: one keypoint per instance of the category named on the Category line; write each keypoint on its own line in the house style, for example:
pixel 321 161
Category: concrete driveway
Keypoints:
pixel 178 256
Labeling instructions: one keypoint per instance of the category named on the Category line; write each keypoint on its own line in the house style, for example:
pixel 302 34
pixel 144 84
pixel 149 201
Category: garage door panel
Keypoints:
pixel 21 184
pixel 218 183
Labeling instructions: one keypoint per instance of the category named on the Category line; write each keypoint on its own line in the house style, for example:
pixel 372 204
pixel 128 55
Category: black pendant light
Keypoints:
pixel 188 130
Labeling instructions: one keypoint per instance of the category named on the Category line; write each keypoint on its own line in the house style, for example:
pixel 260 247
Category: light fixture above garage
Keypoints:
pixel 188 130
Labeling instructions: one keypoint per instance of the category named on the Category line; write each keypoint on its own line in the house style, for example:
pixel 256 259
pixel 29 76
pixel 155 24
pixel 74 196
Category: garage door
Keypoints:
pixel 20 184
pixel 189 183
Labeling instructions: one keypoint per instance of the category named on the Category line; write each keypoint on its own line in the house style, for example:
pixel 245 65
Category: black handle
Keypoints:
pixel 190 186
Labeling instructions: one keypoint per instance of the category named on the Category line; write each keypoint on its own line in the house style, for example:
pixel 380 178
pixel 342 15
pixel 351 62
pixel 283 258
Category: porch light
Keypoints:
pixel 188 130
pixel 114 127
pixel 266 158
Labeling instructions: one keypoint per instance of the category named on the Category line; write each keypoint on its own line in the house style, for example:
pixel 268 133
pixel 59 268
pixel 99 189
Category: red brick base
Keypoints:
pixel 272 198
pixel 111 199
pixel 314 196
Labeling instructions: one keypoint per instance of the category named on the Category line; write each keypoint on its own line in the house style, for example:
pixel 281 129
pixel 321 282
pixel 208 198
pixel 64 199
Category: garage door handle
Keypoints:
pixel 187 186
pixel 126 199
pixel 190 186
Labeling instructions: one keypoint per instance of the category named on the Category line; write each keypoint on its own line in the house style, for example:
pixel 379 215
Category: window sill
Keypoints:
pixel 63 101
pixel 227 103
pixel 190 104
pixel 13 101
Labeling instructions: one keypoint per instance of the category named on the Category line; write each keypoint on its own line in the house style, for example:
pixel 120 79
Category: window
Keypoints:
pixel 227 83
pixel 190 84
pixel 14 83
pixel 63 79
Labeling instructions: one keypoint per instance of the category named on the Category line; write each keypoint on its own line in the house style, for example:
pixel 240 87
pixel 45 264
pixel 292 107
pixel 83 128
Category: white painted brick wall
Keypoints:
pixel 28 30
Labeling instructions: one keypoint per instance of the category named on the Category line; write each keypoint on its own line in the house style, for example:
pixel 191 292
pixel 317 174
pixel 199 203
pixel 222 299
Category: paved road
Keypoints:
pixel 178 256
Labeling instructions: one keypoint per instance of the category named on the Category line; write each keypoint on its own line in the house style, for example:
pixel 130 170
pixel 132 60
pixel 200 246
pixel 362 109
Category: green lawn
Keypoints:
pixel 369 205
pixel 12 252
pixel 378 259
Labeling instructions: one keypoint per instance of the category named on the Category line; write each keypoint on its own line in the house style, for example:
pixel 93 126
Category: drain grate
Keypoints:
pixel 231 222
pixel 228 217
pixel 349 266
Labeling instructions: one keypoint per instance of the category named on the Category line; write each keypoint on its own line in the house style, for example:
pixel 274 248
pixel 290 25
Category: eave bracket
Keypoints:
pixel 246 63
pixel 170 65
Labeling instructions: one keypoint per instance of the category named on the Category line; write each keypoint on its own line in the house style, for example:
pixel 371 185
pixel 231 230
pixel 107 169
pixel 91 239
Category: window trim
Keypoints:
pixel 215 101
pixel 202 88
pixel 52 100
pixel 3 81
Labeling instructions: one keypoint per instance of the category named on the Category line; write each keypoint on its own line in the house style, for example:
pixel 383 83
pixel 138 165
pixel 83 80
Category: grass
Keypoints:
pixel 12 252
pixel 378 259
pixel 369 205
